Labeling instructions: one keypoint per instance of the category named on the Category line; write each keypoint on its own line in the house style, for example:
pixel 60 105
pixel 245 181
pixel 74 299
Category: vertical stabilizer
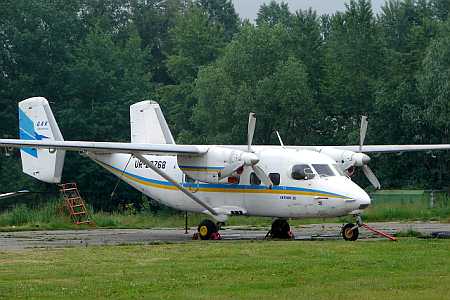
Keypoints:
pixel 148 124
pixel 36 122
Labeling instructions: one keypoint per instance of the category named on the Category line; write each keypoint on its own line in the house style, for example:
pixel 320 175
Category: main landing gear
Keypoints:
pixel 280 230
pixel 208 230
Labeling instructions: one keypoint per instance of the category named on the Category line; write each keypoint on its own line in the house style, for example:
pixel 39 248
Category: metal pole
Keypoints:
pixel 432 199
pixel 185 222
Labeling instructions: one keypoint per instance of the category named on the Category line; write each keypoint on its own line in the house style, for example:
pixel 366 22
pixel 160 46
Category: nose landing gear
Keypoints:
pixel 350 232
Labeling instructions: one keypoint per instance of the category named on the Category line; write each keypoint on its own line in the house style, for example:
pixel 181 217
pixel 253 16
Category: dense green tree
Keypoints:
pixel 197 40
pixel 256 73
pixel 36 39
pixel 222 12
pixel 351 68
pixel 154 19
pixel 274 13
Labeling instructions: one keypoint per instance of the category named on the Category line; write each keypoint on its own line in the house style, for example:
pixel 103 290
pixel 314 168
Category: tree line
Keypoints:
pixel 309 76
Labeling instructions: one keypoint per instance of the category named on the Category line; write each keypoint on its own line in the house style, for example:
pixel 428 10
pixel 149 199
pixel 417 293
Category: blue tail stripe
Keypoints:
pixel 27 132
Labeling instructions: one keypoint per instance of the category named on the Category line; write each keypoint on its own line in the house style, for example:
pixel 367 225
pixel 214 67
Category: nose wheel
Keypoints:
pixel 350 231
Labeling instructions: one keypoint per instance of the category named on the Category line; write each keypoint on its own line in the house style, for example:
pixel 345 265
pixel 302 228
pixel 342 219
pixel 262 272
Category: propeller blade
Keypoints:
pixel 262 176
pixel 230 169
pixel 362 132
pixel 251 130
pixel 371 177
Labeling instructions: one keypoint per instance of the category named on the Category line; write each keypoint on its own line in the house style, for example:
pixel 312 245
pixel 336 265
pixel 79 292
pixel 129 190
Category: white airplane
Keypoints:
pixel 218 180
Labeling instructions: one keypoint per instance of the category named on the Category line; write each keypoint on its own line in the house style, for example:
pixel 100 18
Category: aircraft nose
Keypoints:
pixel 363 199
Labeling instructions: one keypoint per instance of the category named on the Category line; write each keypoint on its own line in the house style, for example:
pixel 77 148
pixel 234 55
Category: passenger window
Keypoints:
pixel 323 170
pixel 302 172
pixel 275 178
pixel 234 179
pixel 254 179
pixel 188 179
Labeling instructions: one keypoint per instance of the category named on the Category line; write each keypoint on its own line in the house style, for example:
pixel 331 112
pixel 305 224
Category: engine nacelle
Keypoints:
pixel 346 159
pixel 206 168
pixel 342 158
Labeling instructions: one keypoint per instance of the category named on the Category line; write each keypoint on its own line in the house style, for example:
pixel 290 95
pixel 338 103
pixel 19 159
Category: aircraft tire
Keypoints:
pixel 280 229
pixel 206 229
pixel 348 234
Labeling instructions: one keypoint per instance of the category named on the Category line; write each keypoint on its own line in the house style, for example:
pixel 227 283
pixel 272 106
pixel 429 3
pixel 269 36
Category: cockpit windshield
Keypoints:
pixel 323 170
pixel 338 170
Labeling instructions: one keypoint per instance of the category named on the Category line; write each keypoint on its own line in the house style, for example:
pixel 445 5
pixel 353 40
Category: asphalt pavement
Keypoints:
pixel 12 241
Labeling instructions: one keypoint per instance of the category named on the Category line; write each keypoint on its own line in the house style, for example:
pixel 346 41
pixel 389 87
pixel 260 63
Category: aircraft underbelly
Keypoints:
pixel 309 207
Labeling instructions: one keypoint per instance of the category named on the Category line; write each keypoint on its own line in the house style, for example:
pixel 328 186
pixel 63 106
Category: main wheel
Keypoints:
pixel 280 229
pixel 348 234
pixel 207 229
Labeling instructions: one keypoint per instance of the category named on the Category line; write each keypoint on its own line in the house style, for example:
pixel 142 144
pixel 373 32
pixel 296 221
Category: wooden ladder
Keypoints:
pixel 75 204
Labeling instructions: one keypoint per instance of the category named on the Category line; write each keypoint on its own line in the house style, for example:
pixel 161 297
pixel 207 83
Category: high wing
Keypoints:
pixel 106 147
pixel 380 148
pixel 364 149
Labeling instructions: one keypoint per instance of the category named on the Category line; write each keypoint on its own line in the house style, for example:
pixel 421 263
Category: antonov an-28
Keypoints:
pixel 218 180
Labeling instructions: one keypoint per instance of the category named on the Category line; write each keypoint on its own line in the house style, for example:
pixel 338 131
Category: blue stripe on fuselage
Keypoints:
pixel 223 186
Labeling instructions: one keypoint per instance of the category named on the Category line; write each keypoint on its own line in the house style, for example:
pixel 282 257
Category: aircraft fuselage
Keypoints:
pixel 320 196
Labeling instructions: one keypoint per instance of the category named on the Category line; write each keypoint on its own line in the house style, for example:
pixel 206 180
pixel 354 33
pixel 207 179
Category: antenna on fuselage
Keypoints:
pixel 279 138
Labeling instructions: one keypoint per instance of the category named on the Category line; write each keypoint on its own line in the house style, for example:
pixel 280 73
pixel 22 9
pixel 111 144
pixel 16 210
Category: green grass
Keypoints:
pixel 409 205
pixel 408 269
pixel 386 206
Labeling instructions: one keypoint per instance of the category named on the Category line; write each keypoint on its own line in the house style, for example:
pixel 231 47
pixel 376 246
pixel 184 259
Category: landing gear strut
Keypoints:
pixel 208 230
pixel 280 230
pixel 350 231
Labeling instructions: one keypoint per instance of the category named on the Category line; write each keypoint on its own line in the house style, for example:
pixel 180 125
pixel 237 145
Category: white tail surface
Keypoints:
pixel 148 124
pixel 36 122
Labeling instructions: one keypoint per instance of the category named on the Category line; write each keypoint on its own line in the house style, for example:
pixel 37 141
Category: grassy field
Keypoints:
pixel 408 269
pixel 386 206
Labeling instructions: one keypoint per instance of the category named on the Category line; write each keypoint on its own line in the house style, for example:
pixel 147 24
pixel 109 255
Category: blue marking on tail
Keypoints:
pixel 27 132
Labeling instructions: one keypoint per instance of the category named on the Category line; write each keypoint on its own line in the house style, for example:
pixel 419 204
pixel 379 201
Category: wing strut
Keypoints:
pixel 177 185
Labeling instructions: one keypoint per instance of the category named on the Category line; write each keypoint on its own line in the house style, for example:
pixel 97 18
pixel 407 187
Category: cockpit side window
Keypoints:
pixel 254 180
pixel 302 172
pixel 323 170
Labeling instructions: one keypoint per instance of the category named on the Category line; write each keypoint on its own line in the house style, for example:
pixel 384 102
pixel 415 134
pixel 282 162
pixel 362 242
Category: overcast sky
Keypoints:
pixel 248 9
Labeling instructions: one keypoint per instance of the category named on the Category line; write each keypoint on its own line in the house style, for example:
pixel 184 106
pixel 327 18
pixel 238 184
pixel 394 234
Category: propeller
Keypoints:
pixel 250 130
pixel 371 177
pixel 248 158
pixel 362 132
pixel 361 160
